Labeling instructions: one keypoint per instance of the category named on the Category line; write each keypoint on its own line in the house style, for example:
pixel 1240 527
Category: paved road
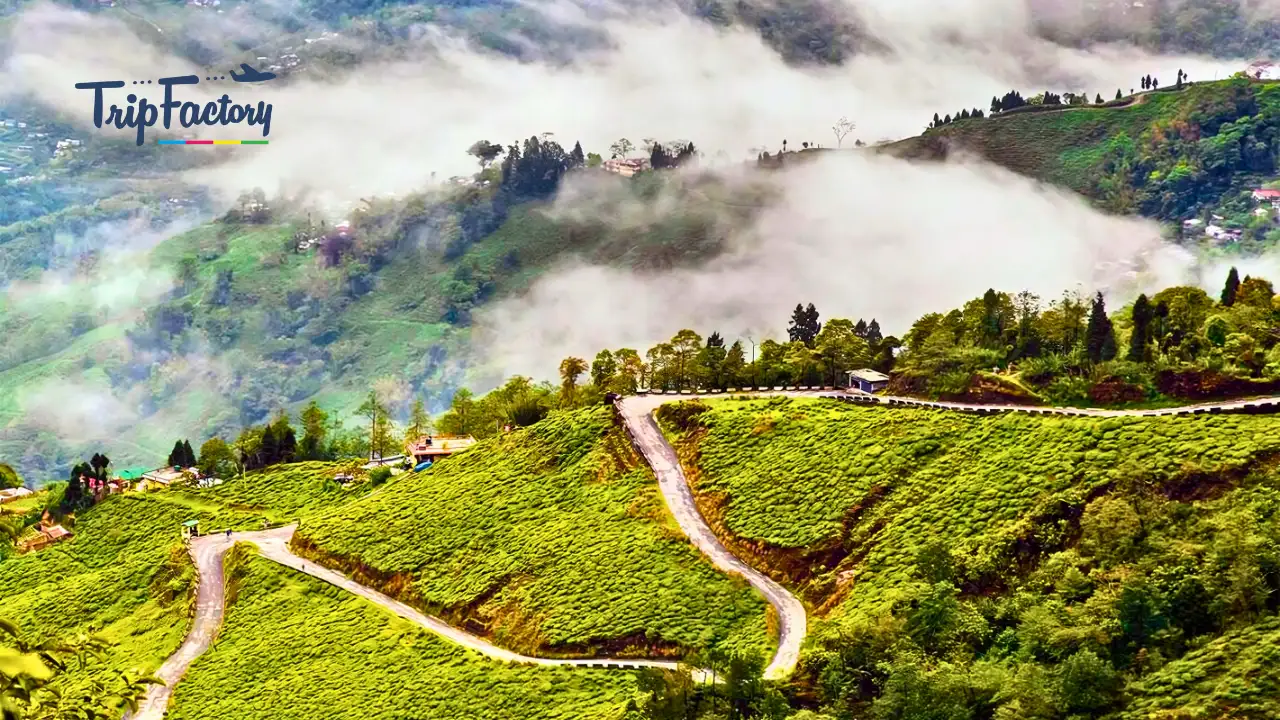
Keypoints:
pixel 208 553
pixel 637 412
pixel 1261 404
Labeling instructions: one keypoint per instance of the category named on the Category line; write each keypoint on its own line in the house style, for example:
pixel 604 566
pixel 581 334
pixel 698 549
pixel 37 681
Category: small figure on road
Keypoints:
pixel 228 532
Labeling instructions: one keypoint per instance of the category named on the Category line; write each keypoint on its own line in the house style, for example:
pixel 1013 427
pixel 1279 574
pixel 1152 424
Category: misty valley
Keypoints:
pixel 856 360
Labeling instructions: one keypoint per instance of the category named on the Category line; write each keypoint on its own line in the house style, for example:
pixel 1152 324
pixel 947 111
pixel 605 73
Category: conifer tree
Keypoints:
pixel 1100 336
pixel 1141 337
pixel 1231 288
pixel 1098 100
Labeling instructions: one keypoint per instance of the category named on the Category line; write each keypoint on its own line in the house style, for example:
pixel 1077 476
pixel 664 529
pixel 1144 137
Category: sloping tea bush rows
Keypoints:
pixel 125 573
pixel 294 648
pixel 551 537
pixel 791 469
pixel 284 492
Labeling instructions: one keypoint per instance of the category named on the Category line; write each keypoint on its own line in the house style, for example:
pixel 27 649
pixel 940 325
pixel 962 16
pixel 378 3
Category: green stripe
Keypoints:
pixel 254 142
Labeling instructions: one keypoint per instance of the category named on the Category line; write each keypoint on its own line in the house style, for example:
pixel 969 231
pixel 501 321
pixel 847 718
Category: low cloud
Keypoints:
pixel 860 236
pixel 386 128
pixel 75 409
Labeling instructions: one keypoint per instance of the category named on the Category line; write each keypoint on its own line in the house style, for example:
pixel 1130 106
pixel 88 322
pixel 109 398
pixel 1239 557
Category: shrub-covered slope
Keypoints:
pixel 125 574
pixel 295 648
pixel 281 492
pixel 1082 566
pixel 551 539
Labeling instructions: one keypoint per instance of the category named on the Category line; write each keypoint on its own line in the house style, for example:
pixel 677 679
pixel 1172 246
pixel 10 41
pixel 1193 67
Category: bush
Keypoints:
pixel 379 475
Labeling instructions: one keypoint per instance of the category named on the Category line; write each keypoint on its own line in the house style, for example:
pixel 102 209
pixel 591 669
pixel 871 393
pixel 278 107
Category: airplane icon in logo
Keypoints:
pixel 251 75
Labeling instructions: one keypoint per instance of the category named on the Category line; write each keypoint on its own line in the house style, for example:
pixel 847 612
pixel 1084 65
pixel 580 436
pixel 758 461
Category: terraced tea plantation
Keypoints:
pixel 295 648
pixel 1011 565
pixel 125 574
pixel 789 472
pixel 281 492
pixel 552 539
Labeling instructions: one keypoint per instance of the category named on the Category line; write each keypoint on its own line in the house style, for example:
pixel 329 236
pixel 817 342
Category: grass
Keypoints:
pixel 295 648
pixel 552 539
pixel 871 486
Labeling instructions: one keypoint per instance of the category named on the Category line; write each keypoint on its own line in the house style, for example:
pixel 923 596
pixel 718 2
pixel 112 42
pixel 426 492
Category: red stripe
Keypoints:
pixel 199 142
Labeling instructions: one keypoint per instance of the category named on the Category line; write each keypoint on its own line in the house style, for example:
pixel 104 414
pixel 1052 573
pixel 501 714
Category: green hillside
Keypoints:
pixel 952 558
pixel 229 322
pixel 551 539
pixel 1173 153
pixel 125 576
pixel 295 648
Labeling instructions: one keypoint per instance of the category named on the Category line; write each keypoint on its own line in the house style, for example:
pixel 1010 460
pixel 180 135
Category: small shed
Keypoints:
pixel 867 380
pixel 191 528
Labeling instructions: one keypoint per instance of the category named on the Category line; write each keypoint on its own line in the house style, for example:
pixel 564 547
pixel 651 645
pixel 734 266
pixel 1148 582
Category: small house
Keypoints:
pixel 162 477
pixel 1266 195
pixel 867 380
pixel 11 494
pixel 191 529
pixel 626 167
pixel 433 447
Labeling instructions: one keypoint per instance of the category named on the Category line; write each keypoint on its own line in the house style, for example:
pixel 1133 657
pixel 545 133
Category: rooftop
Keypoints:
pixel 869 375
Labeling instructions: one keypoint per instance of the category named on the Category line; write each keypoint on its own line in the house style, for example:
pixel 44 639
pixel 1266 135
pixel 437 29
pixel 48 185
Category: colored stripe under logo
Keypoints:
pixel 212 142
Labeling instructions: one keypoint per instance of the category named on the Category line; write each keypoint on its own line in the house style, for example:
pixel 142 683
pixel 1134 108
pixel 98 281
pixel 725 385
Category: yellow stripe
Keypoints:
pixel 226 142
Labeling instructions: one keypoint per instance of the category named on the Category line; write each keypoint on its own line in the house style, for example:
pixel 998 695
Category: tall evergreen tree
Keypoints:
pixel 873 335
pixel 811 325
pixel 860 328
pixel 1119 94
pixel 270 446
pixel 188 455
pixel 1098 100
pixel 1139 341
pixel 576 158
pixel 795 330
pixel 175 455
pixel 1100 336
pixel 1231 288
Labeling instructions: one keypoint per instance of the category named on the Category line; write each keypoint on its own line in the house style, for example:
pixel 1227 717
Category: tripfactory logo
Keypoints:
pixel 141 113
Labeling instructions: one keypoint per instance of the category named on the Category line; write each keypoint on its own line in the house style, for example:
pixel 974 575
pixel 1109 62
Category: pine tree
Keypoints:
pixel 175 455
pixel 270 446
pixel 795 330
pixel 860 328
pixel 873 334
pixel 1100 337
pixel 188 455
pixel 1141 337
pixel 1231 288
pixel 576 157
pixel 1119 94
pixel 811 325
pixel 1098 100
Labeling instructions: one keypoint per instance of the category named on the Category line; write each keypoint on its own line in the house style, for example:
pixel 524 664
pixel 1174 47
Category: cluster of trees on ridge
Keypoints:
pixel 1013 100
pixel 1179 342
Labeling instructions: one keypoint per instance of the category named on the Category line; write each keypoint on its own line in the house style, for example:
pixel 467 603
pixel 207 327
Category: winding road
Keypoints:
pixel 637 414
pixel 209 552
